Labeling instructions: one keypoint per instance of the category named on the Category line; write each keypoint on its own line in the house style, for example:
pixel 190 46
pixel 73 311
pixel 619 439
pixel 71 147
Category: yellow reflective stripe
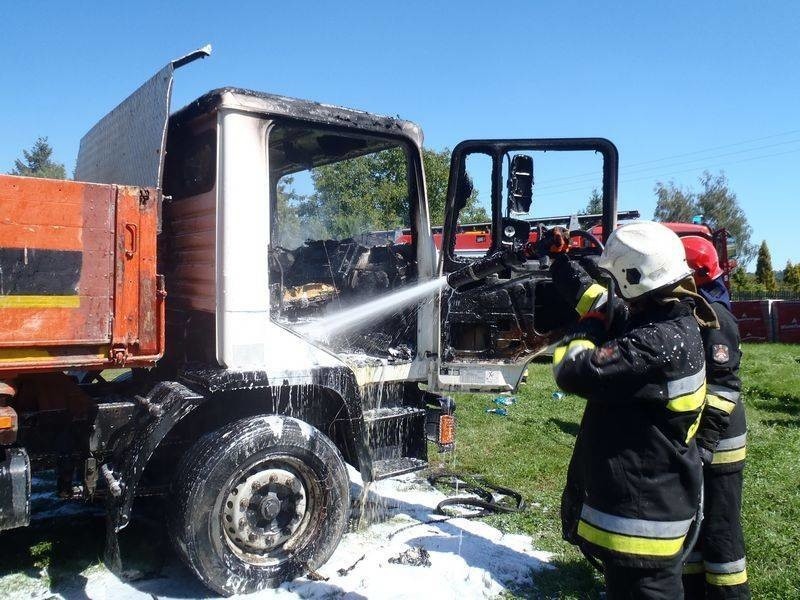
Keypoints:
pixel 559 353
pixel 28 354
pixel 572 348
pixel 592 293
pixel 693 568
pixel 629 544
pixel 585 344
pixel 688 402
pixel 729 456
pixel 727 578
pixel 719 403
pixel 40 301
pixel 7 354
pixel 695 426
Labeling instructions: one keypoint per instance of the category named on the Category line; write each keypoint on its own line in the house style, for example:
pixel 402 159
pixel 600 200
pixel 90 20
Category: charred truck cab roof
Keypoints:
pixel 306 110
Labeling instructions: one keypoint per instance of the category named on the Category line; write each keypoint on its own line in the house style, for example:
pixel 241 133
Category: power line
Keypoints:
pixel 694 152
pixel 657 176
pixel 759 139
pixel 587 179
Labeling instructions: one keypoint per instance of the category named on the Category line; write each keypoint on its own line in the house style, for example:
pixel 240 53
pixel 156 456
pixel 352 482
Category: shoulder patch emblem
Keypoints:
pixel 606 354
pixel 720 353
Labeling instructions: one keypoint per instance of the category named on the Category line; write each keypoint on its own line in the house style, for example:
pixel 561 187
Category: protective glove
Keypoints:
pixel 591 327
pixel 554 242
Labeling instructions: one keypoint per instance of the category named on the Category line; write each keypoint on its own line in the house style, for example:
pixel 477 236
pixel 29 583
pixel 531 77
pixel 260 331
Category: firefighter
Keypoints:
pixel 716 567
pixel 633 491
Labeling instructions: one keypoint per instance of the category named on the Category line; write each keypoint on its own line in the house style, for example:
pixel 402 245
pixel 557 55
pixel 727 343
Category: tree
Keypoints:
pixel 437 177
pixel 791 276
pixel 764 273
pixel 594 206
pixel 437 174
pixel 720 208
pixel 715 202
pixel 37 162
pixel 741 281
pixel 371 193
pixel 290 233
pixel 361 194
pixel 673 204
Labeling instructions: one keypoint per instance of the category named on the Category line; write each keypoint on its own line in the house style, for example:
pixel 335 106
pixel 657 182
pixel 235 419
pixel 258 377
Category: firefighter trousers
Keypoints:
pixel 715 569
pixel 631 583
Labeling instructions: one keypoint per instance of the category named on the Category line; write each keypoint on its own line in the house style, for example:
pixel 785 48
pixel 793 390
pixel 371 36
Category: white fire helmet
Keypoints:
pixel 644 256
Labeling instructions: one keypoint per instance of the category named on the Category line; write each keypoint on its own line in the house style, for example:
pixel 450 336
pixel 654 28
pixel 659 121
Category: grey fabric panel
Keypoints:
pixel 637 527
pixel 729 567
pixel 686 385
pixel 732 443
pixel 127 145
pixel 723 392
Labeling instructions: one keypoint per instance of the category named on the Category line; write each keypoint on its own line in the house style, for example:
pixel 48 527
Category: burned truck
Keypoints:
pixel 157 320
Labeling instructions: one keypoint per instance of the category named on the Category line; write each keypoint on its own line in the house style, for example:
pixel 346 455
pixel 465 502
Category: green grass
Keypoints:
pixel 529 450
pixel 58 555
pixel 49 556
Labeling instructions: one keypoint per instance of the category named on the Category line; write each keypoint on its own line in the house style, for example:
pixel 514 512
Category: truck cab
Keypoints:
pixel 233 249
pixel 265 243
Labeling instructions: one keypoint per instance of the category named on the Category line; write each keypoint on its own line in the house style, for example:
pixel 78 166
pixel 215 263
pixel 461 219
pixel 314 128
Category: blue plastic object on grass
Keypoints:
pixel 497 411
pixel 558 395
pixel 505 400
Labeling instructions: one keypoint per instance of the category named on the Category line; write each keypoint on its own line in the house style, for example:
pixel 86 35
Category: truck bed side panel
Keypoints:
pixel 59 241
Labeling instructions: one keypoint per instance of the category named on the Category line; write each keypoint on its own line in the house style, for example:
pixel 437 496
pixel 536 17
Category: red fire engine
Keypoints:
pixel 475 239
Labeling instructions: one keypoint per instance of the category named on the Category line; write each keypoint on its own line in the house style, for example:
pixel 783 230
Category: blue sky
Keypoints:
pixel 713 84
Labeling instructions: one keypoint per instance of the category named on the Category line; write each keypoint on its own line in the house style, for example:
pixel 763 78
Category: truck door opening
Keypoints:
pixel 517 313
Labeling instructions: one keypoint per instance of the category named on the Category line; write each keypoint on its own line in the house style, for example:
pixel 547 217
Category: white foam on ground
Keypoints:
pixel 469 558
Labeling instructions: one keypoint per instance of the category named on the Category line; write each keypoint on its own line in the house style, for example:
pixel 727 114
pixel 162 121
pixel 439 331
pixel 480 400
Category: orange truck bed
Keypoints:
pixel 78 282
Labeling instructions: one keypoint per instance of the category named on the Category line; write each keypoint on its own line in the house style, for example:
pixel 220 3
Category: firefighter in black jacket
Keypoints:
pixel 634 483
pixel 716 567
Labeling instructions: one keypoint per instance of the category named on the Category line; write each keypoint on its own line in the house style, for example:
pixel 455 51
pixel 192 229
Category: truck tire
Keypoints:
pixel 258 502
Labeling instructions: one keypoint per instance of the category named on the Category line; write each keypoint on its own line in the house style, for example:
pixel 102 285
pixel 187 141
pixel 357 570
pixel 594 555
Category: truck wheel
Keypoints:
pixel 258 502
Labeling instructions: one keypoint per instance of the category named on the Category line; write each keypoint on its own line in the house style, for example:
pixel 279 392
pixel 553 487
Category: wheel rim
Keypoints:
pixel 266 508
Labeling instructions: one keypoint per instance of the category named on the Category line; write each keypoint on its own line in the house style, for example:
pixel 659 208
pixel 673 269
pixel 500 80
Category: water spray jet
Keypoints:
pixel 362 315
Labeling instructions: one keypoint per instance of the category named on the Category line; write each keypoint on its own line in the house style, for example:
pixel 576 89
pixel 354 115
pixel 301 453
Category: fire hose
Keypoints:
pixel 485 267
pixel 485 496
pixel 550 243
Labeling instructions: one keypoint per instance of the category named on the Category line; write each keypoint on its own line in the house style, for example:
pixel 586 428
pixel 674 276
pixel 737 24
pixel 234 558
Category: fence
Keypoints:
pixel 768 320
pixel 738 295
